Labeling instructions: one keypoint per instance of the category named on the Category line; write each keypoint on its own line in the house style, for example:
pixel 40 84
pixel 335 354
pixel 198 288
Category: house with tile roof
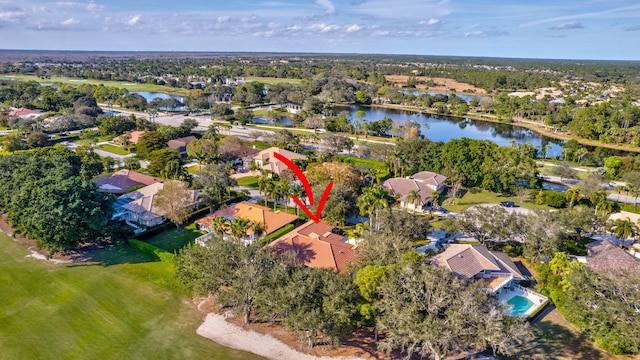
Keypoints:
pixel 610 260
pixel 475 262
pixel 497 271
pixel 265 160
pixel 134 136
pixel 424 182
pixel 272 220
pixel 122 180
pixel 25 113
pixel 317 245
pixel 139 206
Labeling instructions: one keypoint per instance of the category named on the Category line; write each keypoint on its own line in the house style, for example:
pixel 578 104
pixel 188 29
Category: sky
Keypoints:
pixel 566 29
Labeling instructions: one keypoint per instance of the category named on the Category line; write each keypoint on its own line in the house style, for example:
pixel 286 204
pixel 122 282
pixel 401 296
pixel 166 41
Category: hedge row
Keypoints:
pixel 630 208
pixel 154 251
pixel 276 234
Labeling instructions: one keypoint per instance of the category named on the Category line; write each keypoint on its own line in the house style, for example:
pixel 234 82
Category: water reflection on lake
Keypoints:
pixel 152 95
pixel 443 128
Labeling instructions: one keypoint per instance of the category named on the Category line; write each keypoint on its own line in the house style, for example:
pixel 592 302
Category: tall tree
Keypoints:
pixel 175 201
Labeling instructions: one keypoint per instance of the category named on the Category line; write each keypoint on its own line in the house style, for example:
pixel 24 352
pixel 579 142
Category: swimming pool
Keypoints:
pixel 520 305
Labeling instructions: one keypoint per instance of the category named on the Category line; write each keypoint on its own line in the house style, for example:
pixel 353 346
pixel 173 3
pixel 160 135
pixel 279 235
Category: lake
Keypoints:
pixel 152 95
pixel 444 128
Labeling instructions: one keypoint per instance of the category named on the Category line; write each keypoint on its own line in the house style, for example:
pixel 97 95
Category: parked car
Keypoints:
pixel 508 204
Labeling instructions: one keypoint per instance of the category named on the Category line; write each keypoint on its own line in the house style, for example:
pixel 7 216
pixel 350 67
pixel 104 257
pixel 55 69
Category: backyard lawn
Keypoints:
pixel 126 307
pixel 174 241
pixel 118 150
pixel 471 198
pixel 248 181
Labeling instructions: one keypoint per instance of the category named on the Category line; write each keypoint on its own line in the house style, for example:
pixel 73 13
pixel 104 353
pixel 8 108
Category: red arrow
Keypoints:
pixel 296 170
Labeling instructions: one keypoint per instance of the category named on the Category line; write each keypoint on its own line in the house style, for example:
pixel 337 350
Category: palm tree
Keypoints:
pixel 435 198
pixel 238 227
pixel 283 189
pixel 263 181
pixel 606 206
pixel 414 198
pixel 372 200
pixel 219 225
pixel 597 198
pixel 581 153
pixel 573 195
pixel 623 229
pixel 298 191
pixel 259 229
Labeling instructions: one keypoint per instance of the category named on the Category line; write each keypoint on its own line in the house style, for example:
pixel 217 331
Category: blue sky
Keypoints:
pixel 597 29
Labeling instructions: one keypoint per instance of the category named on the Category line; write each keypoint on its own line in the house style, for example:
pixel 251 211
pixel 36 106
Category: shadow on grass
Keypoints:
pixel 556 341
pixel 120 254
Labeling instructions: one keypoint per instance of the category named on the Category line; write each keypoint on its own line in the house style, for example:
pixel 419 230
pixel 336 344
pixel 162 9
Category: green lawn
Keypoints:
pixel 270 80
pixel 470 199
pixel 118 150
pixel 114 310
pixel 548 170
pixel 248 181
pixel 262 112
pixel 173 241
pixel 193 169
pixel 119 84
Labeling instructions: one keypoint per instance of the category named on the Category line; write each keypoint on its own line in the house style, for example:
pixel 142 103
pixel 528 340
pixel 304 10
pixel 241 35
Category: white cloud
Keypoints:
pixel 404 9
pixel 69 21
pixel 223 19
pixel 430 22
pixel 323 28
pixel 327 4
pixel 354 28
pixel 134 20
pixel 294 28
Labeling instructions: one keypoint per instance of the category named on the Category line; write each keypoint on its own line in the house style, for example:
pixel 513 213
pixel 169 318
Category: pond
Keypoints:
pixel 152 95
pixel 444 128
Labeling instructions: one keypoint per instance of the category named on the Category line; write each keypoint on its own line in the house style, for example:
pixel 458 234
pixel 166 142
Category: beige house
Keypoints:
pixel 265 159
pixel 498 272
pixel 424 182
pixel 138 206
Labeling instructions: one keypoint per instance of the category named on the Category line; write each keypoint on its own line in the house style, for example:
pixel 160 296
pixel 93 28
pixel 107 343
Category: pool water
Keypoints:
pixel 520 305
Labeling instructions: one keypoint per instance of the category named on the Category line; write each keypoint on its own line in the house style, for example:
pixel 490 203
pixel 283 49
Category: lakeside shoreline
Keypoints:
pixel 530 125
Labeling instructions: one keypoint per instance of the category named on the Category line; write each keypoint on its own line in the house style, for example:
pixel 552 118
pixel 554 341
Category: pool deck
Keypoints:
pixel 508 292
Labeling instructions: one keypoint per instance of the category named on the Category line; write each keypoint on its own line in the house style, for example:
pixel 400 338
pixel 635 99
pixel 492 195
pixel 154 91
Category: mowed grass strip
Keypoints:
pixel 173 241
pixel 248 181
pixel 119 84
pixel 97 311
pixel 118 150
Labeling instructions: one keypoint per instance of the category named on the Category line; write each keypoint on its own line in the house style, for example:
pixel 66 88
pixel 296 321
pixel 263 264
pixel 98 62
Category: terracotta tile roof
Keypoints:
pixel 269 162
pixel 122 180
pixel 608 259
pixel 468 260
pixel 252 212
pixel 317 246
pixel 24 112
pixel 403 186
pixel 134 136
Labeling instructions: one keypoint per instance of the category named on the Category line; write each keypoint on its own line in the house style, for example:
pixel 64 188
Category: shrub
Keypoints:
pixel 554 199
pixel 630 208
pixel 154 251
pixel 276 234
